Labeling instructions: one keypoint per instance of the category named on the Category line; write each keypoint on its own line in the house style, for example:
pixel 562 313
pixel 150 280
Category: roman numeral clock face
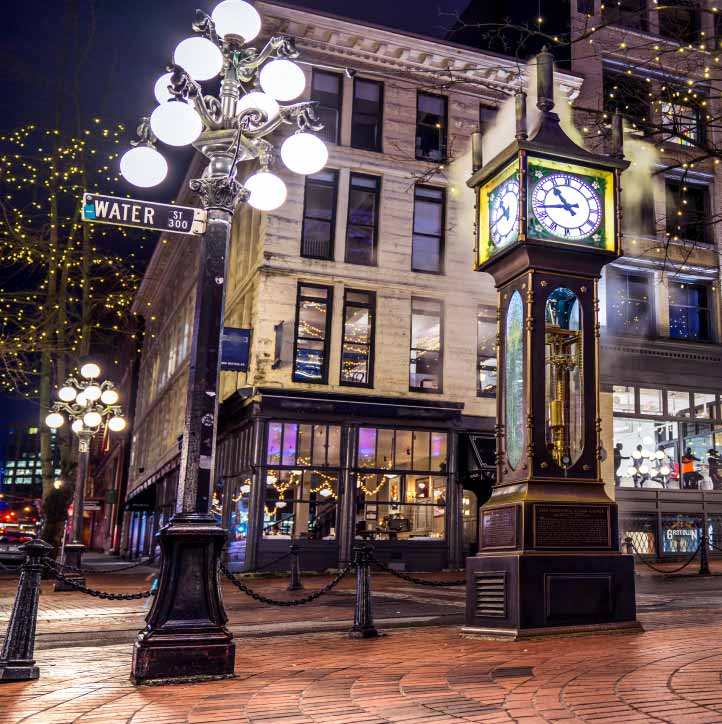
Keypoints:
pixel 504 212
pixel 567 206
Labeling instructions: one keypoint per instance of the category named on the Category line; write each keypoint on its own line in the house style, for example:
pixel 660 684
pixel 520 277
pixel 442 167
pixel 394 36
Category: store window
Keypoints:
pixel 313 315
pixel 485 352
pixel 357 349
pixel 427 244
pixel 384 449
pixel 682 124
pixel 689 313
pixel 642 529
pixel 629 307
pixel 327 91
pixel 426 354
pixel 431 123
pixel 367 115
pixel 681 532
pixel 650 401
pixel 646 454
pixel 302 445
pixel 687 211
pixel 705 405
pixel 363 219
pixel 319 215
pixel 623 398
pixel 714 531
pixel 629 95
pixel 678 403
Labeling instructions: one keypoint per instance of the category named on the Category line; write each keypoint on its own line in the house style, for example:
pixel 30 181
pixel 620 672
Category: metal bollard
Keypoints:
pixel 16 658
pixel 363 615
pixel 704 557
pixel 629 546
pixel 294 584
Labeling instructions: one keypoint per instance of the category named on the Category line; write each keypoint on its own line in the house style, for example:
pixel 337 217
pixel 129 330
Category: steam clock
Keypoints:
pixel 548 221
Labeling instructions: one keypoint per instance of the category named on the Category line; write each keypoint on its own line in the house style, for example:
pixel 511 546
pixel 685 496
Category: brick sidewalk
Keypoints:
pixel 429 676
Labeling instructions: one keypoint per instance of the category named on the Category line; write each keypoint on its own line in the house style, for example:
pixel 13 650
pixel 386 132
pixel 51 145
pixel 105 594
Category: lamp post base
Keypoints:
pixel 185 638
pixel 73 558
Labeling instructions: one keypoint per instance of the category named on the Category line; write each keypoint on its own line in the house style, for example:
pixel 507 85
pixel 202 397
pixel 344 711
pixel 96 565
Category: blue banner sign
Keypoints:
pixel 235 346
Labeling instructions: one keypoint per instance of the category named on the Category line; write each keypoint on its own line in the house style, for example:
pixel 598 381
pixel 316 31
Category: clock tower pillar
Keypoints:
pixel 548 220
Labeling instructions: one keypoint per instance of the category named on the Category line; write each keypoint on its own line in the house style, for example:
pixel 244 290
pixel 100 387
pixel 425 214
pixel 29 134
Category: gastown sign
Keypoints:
pixel 143 214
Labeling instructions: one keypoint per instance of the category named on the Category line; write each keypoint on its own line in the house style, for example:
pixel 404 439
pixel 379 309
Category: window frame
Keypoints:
pixel 709 309
pixel 339 77
pixel 705 235
pixel 442 236
pixel 440 388
pixel 377 192
pixel 380 118
pixel 486 314
pixel 444 135
pixel 615 275
pixel 327 337
pixel 372 335
pixel 332 239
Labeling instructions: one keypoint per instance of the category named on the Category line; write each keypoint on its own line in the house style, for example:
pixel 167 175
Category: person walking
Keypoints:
pixel 618 458
pixel 715 468
pixel 690 476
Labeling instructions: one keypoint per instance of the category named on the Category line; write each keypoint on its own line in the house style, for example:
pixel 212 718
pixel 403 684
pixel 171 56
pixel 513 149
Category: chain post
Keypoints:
pixel 294 583
pixel 16 658
pixel 704 557
pixel 363 615
pixel 629 545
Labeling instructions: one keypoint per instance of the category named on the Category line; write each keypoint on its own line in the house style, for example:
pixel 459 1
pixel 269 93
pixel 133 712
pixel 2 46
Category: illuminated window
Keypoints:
pixel 313 324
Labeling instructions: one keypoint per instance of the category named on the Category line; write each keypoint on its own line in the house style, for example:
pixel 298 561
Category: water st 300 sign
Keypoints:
pixel 143 214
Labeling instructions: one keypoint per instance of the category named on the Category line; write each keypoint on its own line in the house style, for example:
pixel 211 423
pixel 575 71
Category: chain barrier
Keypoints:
pixel 717 548
pixel 267 565
pixel 136 564
pixel 662 570
pixel 91 591
pixel 417 581
pixel 293 602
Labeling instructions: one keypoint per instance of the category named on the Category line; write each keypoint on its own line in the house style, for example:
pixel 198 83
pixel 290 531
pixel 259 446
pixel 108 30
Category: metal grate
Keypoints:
pixel 491 595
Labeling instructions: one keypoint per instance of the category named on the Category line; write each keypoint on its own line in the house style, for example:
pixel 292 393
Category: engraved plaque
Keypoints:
pixel 572 526
pixel 498 527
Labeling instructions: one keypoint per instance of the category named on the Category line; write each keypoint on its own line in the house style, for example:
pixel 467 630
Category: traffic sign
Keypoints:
pixel 143 214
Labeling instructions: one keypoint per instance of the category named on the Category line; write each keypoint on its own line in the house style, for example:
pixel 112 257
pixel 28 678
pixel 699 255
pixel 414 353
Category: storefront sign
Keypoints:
pixel 498 527
pixel 572 526
pixel 235 345
pixel 143 214
pixel 92 505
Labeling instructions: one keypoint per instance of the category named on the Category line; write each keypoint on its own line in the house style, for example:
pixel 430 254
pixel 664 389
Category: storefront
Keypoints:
pixel 330 471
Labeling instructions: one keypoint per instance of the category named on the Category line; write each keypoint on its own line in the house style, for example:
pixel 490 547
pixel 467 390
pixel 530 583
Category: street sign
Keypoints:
pixel 234 349
pixel 100 209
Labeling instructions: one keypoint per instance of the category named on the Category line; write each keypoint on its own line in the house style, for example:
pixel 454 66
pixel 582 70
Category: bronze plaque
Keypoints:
pixel 572 526
pixel 498 527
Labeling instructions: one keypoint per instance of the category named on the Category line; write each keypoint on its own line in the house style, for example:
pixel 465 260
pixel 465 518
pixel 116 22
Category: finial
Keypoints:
pixel 477 160
pixel 617 135
pixel 545 80
pixel 520 108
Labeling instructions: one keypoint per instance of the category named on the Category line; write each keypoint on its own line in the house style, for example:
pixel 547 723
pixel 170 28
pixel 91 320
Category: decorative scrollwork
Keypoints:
pixel 146 137
pixel 204 25
pixel 304 115
pixel 219 192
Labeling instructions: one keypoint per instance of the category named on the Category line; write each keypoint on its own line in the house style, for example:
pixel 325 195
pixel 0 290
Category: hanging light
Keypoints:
pixel 260 101
pixel 160 89
pixel 268 191
pixel 81 399
pixel 77 425
pixel 67 393
pixel 176 123
pixel 54 420
pixel 281 504
pixel 304 153
pixel 93 392
pixel 57 484
pixel 245 488
pixel 643 469
pixel 282 79
pixel 646 453
pixel 90 370
pixel 325 492
pixel 143 166
pixel 116 423
pixel 665 470
pixel 92 419
pixel 109 397
pixel 236 17
pixel 637 455
pixel 199 57
pixel 631 471
pixel 659 455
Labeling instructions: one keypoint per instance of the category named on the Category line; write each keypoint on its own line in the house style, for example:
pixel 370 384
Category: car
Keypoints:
pixel 10 542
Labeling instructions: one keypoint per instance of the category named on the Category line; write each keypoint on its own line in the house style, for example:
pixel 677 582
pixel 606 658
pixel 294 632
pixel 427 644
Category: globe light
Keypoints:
pixel 57 484
pixel 92 419
pixel 282 79
pixel 304 153
pixel 200 57
pixel 643 469
pixel 631 471
pixel 245 488
pixel 77 425
pixel 235 17
pixel 281 504
pixel 636 455
pixel 90 370
pixel 93 392
pixel 160 89
pixel 646 453
pixel 325 492
pixel 54 420
pixel 268 192
pixel 260 101
pixel 116 423
pixel 67 393
pixel 665 470
pixel 176 123
pixel 109 397
pixel 659 455
pixel 81 399
pixel 143 166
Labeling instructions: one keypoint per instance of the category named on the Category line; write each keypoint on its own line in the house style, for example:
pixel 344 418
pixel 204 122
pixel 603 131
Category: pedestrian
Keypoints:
pixel 715 468
pixel 618 457
pixel 690 476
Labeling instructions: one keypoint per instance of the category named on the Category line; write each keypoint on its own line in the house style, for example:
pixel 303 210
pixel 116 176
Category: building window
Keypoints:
pixel 679 20
pixel 363 217
pixel 327 90
pixel 682 123
pixel 427 249
pixel 431 122
pixel 623 398
pixel 357 349
pixel 687 209
pixel 629 308
pixel 485 352
pixel 426 359
pixel 630 13
pixel 487 116
pixel 367 116
pixel 689 313
pixel 313 325
pixel 319 215
pixel 629 95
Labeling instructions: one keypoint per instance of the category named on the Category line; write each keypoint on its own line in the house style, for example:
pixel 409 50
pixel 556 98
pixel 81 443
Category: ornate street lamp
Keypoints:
pixel 88 405
pixel 185 636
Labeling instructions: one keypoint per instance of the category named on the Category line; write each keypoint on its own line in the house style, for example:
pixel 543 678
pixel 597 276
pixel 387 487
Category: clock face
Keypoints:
pixel 504 212
pixel 567 206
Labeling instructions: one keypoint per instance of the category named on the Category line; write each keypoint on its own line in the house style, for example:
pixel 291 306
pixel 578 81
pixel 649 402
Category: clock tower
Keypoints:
pixel 548 220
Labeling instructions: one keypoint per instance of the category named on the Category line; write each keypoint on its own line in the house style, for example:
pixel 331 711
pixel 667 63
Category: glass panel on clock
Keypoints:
pixel 564 377
pixel 514 380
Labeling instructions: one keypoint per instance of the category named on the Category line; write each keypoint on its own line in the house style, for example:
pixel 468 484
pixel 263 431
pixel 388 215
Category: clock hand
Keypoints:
pixel 566 205
pixel 505 210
